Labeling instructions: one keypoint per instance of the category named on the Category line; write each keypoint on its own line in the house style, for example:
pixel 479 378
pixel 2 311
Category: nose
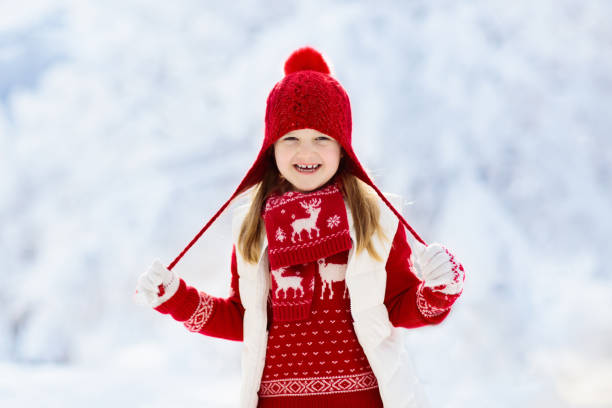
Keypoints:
pixel 306 150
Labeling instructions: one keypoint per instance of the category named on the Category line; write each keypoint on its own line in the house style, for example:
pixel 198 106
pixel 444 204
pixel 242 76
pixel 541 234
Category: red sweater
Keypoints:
pixel 316 362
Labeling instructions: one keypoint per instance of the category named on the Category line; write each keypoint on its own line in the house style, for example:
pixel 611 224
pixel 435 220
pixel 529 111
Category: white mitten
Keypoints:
pixel 156 285
pixel 442 278
pixel 439 269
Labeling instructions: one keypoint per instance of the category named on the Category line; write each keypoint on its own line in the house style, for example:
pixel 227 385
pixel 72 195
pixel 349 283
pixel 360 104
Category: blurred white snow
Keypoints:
pixel 125 124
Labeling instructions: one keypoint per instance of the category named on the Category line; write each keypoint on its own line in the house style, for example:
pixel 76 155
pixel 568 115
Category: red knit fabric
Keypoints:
pixel 360 399
pixel 319 356
pixel 302 227
pixel 223 318
pixel 308 99
pixel 291 293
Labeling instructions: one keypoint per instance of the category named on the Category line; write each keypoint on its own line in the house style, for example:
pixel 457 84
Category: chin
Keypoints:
pixel 303 189
pixel 306 188
pixel 304 185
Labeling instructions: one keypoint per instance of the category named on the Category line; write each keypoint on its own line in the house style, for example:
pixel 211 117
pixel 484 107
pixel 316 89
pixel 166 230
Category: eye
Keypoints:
pixel 323 138
pixel 290 138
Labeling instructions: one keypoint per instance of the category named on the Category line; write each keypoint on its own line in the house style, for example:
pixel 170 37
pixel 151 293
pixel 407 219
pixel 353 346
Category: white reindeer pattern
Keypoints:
pixel 285 282
pixel 308 223
pixel 331 273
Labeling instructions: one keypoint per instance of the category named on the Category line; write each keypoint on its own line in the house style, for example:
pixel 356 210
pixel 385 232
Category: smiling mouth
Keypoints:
pixel 306 168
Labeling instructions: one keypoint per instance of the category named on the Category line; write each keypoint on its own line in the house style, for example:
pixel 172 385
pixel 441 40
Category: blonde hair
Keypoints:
pixel 360 197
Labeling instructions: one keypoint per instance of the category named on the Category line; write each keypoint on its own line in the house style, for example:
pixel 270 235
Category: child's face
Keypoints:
pixel 307 147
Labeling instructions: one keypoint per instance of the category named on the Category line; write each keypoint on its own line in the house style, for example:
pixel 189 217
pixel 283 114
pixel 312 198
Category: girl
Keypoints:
pixel 323 276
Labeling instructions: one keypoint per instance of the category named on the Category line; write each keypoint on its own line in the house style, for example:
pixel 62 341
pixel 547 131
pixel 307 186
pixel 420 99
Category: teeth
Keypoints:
pixel 308 166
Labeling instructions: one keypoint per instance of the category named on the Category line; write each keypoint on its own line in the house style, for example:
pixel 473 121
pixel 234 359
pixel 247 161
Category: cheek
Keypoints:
pixel 280 156
pixel 334 154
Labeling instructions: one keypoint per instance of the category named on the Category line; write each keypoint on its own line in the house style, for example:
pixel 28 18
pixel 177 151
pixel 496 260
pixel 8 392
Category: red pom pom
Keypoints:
pixel 306 58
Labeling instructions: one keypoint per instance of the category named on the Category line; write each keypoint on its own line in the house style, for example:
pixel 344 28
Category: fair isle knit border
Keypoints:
pixel 338 242
pixel 297 247
pixel 290 196
pixel 427 309
pixel 318 385
pixel 202 313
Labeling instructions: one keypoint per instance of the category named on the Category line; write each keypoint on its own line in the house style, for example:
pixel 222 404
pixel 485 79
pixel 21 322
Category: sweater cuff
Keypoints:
pixel 189 306
pixel 433 304
pixel 201 315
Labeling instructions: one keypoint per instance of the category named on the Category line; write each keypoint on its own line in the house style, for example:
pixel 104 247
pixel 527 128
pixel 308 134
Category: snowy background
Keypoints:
pixel 125 124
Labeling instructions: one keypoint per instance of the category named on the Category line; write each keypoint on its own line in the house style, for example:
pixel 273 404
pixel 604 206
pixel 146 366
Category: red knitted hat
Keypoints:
pixel 307 97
